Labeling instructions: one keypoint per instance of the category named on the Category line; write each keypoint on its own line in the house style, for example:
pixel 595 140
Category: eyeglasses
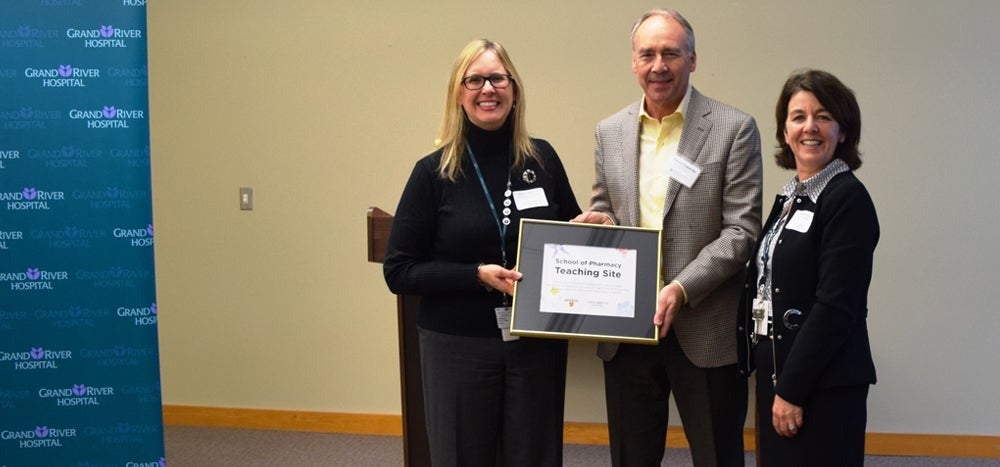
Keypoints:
pixel 476 82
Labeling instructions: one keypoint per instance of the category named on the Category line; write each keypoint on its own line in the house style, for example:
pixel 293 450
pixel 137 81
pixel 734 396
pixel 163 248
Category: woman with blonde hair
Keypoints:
pixel 490 398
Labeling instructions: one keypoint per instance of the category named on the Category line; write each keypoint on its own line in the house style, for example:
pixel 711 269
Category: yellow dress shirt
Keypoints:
pixel 658 141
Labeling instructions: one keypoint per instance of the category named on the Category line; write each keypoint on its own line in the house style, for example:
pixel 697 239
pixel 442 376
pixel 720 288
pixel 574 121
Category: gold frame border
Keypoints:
pixel 589 337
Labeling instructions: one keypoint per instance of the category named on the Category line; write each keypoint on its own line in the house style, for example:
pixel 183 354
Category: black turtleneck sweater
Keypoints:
pixel 442 230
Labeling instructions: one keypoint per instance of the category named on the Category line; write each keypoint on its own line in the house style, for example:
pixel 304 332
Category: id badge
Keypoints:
pixel 761 315
pixel 503 322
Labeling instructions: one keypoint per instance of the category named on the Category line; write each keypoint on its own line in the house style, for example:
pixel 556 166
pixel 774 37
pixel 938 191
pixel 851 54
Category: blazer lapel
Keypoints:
pixel 693 137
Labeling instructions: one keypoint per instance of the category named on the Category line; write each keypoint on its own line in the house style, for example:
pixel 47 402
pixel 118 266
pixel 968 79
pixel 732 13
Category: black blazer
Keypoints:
pixel 825 273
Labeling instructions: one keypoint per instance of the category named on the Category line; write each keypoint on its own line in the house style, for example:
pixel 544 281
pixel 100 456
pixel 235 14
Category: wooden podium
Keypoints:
pixel 416 452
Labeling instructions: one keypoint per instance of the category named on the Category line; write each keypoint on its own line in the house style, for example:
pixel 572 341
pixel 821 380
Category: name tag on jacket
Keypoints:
pixel 800 221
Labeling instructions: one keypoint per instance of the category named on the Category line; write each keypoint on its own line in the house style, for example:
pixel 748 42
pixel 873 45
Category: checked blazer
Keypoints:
pixel 708 230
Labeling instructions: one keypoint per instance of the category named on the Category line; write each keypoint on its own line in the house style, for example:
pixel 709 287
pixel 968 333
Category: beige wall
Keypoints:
pixel 323 106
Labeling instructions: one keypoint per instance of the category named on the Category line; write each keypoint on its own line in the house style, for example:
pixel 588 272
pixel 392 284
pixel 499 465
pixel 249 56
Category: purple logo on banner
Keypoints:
pixel 106 36
pixel 63 76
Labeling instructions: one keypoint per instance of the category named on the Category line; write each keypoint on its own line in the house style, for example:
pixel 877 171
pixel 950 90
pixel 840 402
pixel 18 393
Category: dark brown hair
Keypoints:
pixel 837 99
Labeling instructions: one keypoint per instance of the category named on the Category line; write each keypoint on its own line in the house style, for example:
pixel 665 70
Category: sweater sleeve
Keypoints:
pixel 410 266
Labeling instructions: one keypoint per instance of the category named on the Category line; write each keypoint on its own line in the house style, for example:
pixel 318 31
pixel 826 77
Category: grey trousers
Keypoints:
pixel 493 403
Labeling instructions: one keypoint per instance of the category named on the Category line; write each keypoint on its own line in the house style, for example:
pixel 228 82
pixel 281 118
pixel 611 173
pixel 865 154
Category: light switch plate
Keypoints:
pixel 246 198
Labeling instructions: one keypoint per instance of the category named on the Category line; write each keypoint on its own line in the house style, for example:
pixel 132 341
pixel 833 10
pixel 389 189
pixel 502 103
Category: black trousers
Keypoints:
pixel 493 403
pixel 712 403
pixel 833 423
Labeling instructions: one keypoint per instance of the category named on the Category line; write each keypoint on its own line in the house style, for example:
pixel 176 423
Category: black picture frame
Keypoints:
pixel 528 320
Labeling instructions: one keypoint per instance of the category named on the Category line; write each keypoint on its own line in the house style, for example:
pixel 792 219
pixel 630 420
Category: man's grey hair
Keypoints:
pixel 667 14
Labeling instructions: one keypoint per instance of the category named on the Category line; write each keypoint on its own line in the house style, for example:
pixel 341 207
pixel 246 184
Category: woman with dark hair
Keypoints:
pixel 802 321
pixel 490 398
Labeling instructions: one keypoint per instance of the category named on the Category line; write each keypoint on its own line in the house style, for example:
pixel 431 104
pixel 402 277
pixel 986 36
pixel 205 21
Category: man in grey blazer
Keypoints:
pixel 691 166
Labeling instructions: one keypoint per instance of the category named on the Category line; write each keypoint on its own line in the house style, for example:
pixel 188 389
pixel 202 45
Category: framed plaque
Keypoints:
pixel 586 281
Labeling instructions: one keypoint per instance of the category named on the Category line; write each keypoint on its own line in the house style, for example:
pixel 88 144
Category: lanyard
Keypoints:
pixel 763 288
pixel 501 226
pixel 767 245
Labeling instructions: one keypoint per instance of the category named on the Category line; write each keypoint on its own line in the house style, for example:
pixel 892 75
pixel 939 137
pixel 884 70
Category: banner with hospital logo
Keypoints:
pixel 79 363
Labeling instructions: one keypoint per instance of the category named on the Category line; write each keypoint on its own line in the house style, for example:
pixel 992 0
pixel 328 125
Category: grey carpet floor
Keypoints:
pixel 218 447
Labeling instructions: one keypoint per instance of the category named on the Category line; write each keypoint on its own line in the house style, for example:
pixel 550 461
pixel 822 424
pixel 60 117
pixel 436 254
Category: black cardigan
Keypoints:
pixel 825 273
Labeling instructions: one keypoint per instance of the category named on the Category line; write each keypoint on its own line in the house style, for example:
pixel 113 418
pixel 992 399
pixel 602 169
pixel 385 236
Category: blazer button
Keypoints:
pixel 777 290
pixel 739 328
pixel 779 337
pixel 798 200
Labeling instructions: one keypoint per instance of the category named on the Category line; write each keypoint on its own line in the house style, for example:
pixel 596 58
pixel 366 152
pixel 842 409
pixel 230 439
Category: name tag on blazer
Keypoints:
pixel 800 221
pixel 683 170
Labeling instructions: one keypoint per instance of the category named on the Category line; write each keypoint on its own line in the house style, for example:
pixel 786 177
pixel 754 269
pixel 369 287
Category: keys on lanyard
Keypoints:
pixel 761 313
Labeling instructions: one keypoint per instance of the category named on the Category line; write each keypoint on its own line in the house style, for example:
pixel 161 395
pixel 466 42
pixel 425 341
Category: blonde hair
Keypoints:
pixel 451 137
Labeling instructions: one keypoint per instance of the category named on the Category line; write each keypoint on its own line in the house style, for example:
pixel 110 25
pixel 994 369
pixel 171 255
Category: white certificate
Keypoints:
pixel 587 280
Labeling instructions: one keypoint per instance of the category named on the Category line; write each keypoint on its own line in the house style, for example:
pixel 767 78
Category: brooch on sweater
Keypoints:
pixel 529 176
